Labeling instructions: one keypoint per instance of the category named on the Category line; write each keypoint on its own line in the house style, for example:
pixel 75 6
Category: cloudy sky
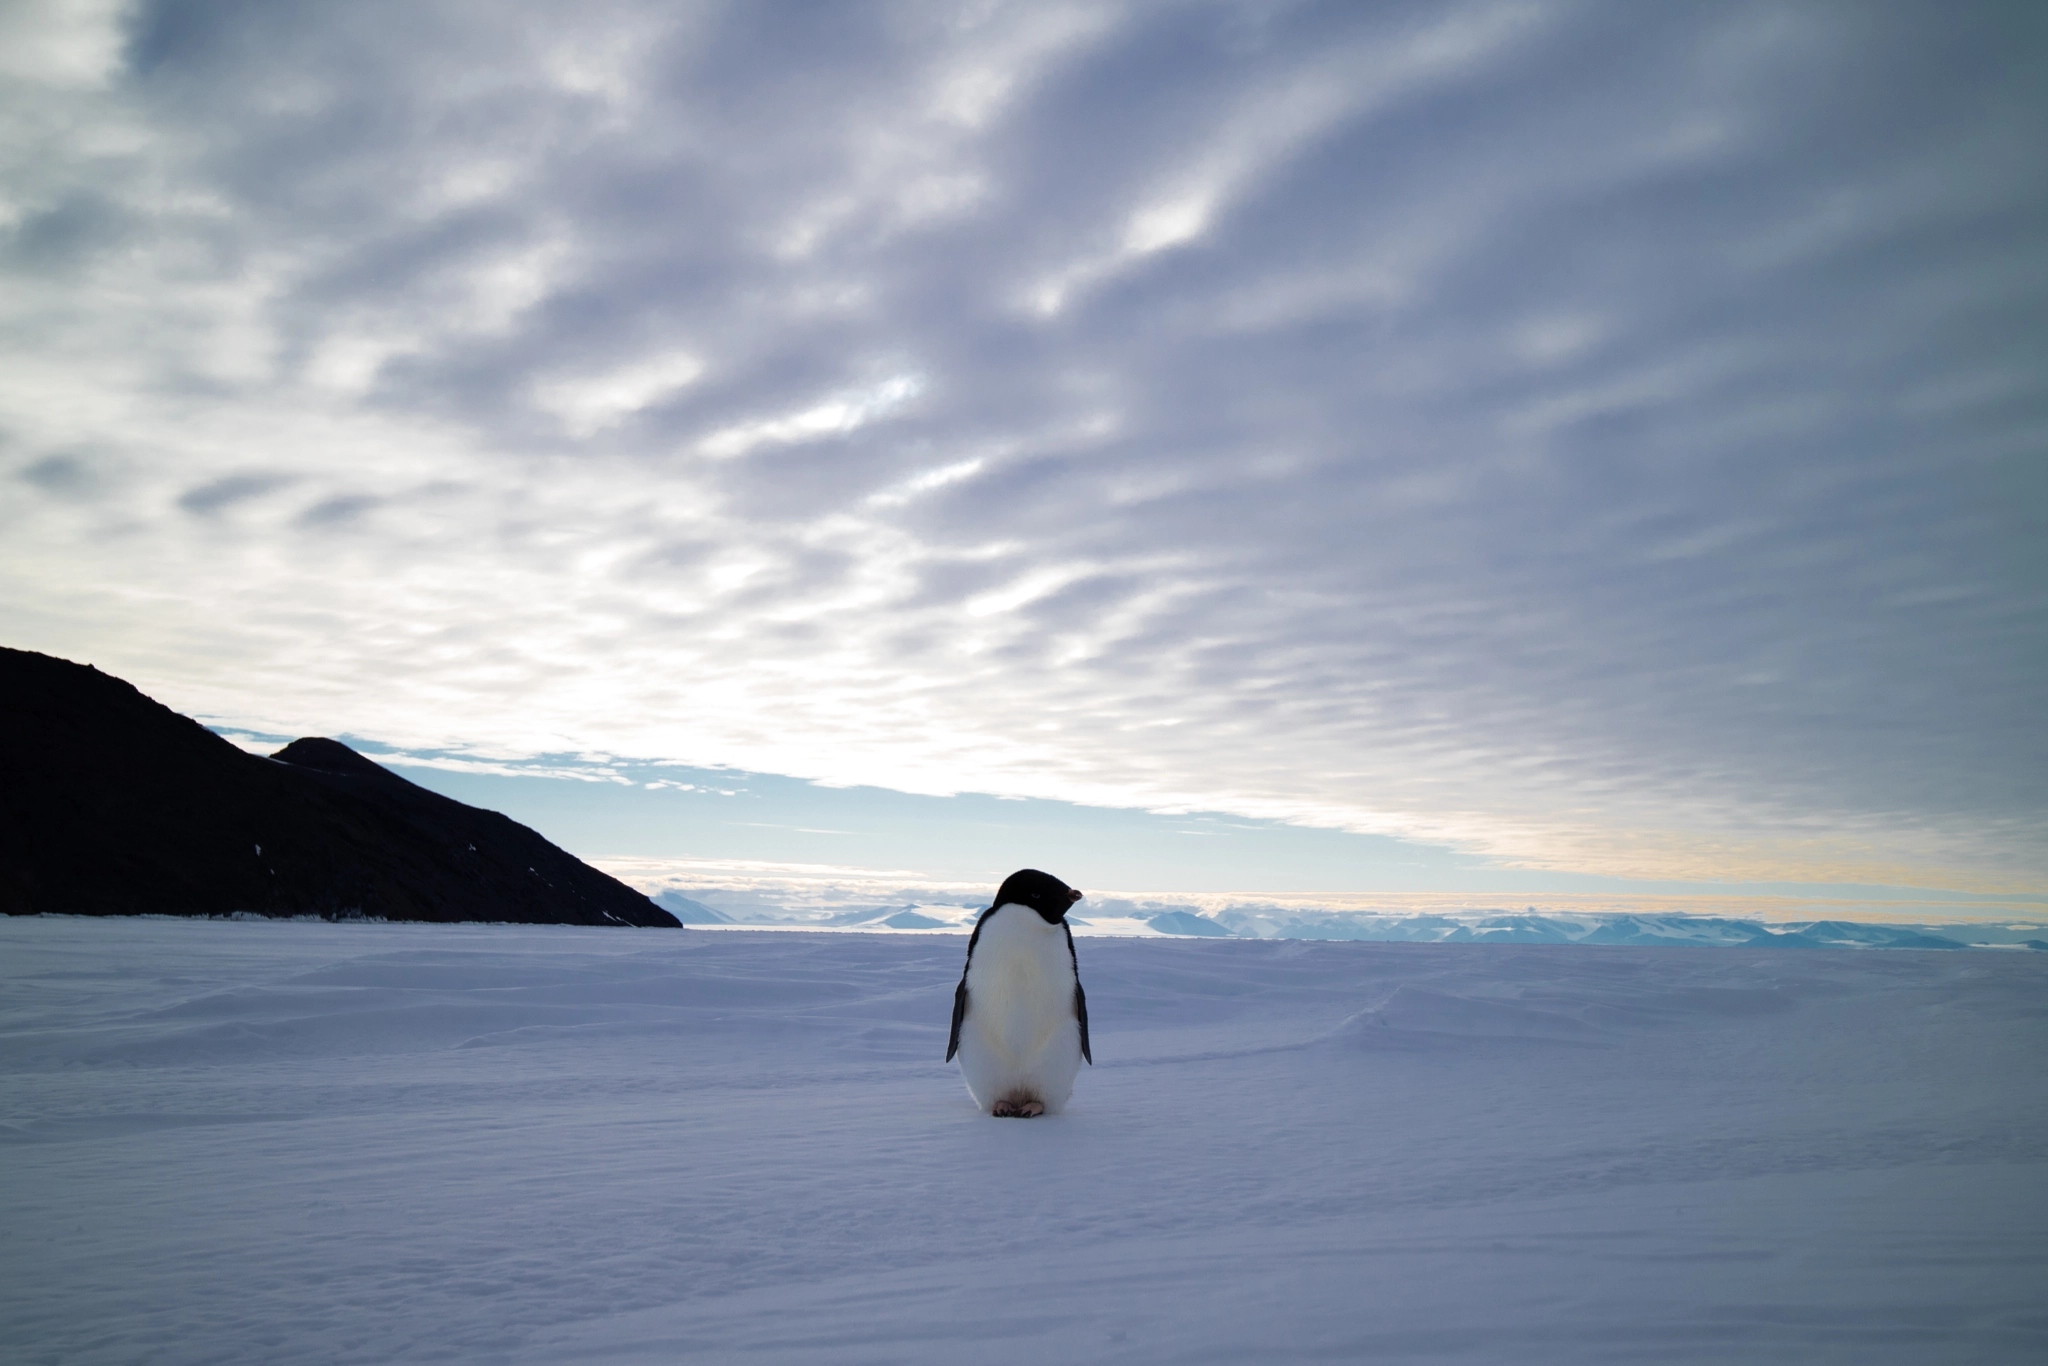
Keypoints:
pixel 1591 439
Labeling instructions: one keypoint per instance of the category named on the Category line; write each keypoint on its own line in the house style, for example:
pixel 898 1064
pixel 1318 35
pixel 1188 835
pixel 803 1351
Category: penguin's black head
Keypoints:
pixel 1042 892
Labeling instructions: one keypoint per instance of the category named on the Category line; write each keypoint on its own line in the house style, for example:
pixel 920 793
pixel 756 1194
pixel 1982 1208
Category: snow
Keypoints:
pixel 298 1142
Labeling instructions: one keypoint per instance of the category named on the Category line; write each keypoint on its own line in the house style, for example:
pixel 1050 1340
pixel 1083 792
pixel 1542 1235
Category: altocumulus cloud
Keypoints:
pixel 1604 436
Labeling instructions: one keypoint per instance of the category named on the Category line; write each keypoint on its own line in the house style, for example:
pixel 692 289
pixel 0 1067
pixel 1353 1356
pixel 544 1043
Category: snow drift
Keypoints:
pixel 277 1141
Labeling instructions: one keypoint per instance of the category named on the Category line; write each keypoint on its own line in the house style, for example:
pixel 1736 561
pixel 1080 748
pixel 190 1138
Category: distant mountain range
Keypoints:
pixel 112 804
pixel 1664 930
pixel 690 912
pixel 1113 915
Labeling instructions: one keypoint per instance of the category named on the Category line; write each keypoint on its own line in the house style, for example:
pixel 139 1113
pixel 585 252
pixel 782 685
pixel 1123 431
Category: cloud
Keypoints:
pixel 60 43
pixel 838 415
pixel 228 490
pixel 1597 436
pixel 588 403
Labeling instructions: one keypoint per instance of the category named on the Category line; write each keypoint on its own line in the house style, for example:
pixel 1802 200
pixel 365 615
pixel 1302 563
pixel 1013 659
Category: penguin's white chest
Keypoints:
pixel 1021 1036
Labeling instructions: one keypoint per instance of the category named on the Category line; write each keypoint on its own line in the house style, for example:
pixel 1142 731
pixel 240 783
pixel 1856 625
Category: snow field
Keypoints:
pixel 296 1142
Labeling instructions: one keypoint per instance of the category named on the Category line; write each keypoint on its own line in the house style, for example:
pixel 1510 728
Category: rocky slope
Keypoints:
pixel 112 804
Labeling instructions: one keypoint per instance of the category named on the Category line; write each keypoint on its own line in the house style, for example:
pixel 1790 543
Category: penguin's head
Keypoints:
pixel 1042 892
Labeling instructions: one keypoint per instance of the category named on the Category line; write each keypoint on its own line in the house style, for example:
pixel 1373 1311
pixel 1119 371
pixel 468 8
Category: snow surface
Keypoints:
pixel 298 1142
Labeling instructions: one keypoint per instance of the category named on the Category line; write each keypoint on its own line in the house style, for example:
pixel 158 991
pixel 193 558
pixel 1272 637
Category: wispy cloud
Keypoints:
pixel 1605 437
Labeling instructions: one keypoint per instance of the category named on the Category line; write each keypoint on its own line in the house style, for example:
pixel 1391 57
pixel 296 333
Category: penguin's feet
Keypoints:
pixel 1018 1107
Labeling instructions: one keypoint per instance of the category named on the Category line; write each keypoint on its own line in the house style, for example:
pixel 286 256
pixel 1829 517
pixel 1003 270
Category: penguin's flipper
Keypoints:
pixel 960 1013
pixel 960 992
pixel 1080 996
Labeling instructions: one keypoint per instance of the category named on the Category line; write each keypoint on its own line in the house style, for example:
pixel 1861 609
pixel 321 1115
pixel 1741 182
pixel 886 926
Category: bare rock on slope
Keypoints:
pixel 112 804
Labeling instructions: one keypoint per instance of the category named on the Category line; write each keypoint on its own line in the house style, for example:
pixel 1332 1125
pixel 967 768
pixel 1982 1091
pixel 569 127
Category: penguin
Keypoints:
pixel 1020 1019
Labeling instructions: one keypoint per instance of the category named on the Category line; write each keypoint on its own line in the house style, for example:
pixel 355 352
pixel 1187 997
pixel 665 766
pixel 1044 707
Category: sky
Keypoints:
pixel 1570 443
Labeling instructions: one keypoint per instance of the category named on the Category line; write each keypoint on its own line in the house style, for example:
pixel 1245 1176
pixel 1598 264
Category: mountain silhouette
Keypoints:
pixel 113 804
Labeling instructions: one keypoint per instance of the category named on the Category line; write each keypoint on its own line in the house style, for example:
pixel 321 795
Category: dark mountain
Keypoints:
pixel 111 804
